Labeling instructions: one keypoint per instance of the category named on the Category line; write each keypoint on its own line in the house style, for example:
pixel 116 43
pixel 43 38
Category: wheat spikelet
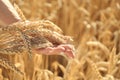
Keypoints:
pixel 102 67
pixel 15 29
pixel 9 45
pixel 48 33
pixel 112 61
pixel 17 45
pixel 10 66
pixel 95 69
pixel 100 45
pixel 44 75
pixel 40 42
pixel 56 66
pixel 19 12
pixel 109 77
pixel 50 26
pixel 102 64
pixel 27 43
pixel 74 70
pixel 53 37
pixel 39 24
pixel 1 76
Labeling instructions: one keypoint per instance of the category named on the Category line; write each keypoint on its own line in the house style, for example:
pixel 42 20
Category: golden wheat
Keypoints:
pixel 94 26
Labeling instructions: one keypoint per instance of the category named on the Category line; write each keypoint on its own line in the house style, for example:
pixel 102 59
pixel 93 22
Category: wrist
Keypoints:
pixel 8 14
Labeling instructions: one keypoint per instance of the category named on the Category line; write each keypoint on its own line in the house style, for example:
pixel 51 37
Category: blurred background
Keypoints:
pixel 95 27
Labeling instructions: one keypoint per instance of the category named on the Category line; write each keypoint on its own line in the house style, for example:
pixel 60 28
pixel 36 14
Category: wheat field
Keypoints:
pixel 95 27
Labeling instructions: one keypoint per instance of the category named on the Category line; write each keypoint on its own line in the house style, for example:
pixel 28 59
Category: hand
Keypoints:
pixel 65 50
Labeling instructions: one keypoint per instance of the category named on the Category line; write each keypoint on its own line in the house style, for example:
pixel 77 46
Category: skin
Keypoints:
pixel 8 15
pixel 65 50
